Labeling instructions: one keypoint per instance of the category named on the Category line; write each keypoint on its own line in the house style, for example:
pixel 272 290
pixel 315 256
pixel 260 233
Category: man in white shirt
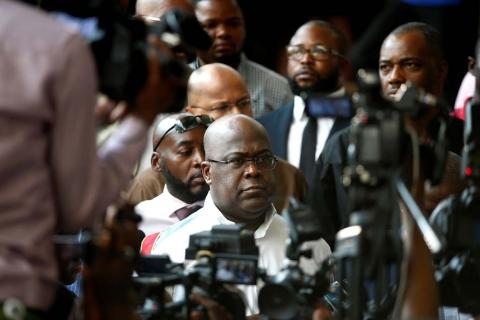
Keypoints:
pixel 239 170
pixel 177 154
pixel 316 62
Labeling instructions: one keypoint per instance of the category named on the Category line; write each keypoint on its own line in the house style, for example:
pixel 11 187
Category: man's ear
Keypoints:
pixel 155 162
pixel 206 172
pixel 188 109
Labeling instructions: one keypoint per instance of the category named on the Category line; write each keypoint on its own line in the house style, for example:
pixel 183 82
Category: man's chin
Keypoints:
pixel 199 191
pixel 256 206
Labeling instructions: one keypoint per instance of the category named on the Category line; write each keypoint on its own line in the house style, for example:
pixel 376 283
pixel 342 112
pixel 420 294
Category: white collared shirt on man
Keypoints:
pixel 271 238
pixel 158 213
pixel 299 122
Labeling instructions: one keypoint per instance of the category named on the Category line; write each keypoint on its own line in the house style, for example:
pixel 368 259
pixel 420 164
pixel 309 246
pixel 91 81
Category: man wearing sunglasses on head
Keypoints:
pixel 316 62
pixel 177 154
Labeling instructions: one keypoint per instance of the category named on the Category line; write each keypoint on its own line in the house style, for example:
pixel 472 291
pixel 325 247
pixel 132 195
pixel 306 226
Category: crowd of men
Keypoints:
pixel 244 145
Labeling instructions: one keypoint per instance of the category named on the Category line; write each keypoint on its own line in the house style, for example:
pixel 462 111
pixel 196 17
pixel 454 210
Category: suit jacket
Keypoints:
pixel 277 123
pixel 145 186
pixel 289 182
pixel 329 198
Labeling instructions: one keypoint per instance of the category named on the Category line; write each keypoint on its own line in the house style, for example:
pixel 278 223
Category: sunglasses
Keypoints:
pixel 186 123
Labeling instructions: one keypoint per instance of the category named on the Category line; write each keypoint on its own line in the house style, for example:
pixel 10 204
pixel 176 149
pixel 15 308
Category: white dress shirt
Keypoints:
pixel 158 213
pixel 271 238
pixel 299 122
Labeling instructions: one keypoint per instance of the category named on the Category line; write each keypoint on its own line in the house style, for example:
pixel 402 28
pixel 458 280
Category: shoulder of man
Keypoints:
pixel 262 76
pixel 145 186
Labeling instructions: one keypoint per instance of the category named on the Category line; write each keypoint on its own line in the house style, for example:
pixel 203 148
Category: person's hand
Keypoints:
pixel 214 310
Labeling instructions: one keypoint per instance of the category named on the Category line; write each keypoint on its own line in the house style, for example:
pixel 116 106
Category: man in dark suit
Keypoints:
pixel 412 52
pixel 316 63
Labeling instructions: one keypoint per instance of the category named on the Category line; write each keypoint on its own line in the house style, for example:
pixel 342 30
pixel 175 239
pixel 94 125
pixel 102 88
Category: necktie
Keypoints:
pixel 309 145
pixel 184 212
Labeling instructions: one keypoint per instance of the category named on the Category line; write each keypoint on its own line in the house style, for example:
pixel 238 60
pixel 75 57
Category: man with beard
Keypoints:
pixel 315 64
pixel 412 52
pixel 177 155
pixel 223 21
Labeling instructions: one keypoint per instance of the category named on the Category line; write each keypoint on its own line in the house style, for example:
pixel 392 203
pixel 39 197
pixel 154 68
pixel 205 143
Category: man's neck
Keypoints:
pixel 250 225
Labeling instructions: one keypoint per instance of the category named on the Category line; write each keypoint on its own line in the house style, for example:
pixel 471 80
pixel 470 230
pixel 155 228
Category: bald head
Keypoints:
pixel 232 128
pixel 216 90
pixel 158 8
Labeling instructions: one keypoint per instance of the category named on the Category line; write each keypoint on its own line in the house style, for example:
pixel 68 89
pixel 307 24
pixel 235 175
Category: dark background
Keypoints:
pixel 270 25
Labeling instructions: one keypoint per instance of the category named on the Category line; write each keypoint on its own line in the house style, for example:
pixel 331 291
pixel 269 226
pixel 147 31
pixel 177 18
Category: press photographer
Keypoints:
pixel 53 177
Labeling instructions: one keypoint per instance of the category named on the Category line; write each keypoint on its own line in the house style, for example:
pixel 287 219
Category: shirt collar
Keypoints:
pixel 211 209
pixel 299 104
pixel 175 202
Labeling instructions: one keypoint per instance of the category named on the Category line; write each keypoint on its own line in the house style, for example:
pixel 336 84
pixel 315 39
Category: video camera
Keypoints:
pixel 368 253
pixel 457 221
pixel 292 293
pixel 119 43
pixel 223 256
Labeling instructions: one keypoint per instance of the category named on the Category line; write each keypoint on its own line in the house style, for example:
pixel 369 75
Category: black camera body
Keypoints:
pixel 293 294
pixel 457 221
pixel 225 255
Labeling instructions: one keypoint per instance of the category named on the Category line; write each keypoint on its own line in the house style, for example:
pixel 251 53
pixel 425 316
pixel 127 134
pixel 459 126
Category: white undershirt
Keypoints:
pixel 299 121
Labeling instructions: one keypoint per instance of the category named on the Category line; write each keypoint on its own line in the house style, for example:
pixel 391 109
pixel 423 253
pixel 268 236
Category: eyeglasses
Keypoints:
pixel 224 106
pixel 186 123
pixel 318 52
pixel 267 162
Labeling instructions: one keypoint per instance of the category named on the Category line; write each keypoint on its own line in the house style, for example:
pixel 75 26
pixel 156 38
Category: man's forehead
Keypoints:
pixel 240 140
pixel 217 9
pixel 312 33
pixel 406 44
